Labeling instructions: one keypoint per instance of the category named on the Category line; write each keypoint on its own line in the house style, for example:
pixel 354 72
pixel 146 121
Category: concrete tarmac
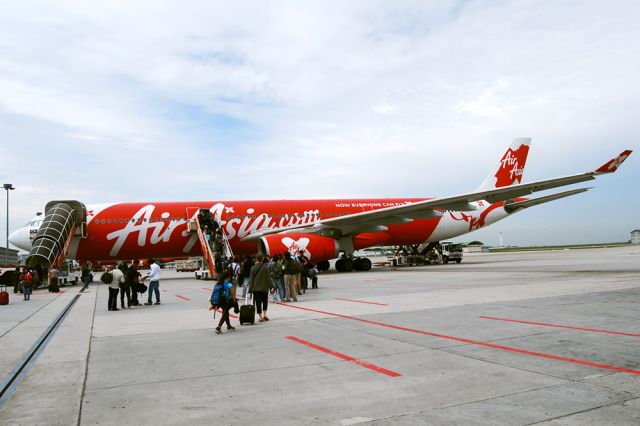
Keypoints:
pixel 515 338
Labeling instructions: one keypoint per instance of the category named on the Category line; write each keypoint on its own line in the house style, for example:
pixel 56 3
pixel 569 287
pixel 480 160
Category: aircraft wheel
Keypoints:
pixel 323 266
pixel 362 264
pixel 347 265
pixel 340 265
pixel 357 262
pixel 365 264
pixel 458 260
pixel 445 259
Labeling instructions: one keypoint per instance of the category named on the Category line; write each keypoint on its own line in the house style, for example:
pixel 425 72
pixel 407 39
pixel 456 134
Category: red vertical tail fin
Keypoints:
pixel 510 168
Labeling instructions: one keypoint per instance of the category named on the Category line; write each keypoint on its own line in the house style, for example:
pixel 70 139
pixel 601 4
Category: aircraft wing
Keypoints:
pixel 376 220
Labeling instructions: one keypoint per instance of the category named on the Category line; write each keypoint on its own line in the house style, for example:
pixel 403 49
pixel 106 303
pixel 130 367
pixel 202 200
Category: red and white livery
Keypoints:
pixel 322 229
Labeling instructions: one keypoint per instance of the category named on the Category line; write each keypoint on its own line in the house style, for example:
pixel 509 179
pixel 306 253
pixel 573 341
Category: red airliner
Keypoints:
pixel 322 229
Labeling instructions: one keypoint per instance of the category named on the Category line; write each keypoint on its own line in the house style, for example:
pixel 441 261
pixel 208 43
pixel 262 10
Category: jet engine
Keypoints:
pixel 314 247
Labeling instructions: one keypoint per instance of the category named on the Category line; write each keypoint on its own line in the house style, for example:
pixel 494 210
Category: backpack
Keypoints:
pixel 220 295
pixel 290 267
pixel 246 268
pixel 276 270
pixel 106 278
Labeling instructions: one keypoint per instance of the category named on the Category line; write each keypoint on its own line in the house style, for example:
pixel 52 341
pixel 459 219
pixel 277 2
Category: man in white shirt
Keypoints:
pixel 114 288
pixel 154 283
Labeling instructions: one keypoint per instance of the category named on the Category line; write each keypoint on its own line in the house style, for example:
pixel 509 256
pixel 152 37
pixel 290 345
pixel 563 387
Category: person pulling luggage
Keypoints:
pixel 259 285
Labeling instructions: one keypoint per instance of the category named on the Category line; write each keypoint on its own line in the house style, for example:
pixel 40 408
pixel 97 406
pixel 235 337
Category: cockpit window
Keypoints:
pixel 36 223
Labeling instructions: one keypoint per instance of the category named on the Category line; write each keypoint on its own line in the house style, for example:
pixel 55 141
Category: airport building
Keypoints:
pixel 635 236
pixel 11 256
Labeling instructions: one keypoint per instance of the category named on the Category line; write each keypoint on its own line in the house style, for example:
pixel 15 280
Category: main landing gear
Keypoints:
pixel 348 264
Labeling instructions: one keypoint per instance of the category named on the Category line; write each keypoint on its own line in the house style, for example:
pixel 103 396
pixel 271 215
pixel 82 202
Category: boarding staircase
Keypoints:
pixel 195 225
pixel 63 222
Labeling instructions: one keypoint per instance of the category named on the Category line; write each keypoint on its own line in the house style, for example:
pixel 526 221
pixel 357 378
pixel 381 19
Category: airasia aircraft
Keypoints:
pixel 322 229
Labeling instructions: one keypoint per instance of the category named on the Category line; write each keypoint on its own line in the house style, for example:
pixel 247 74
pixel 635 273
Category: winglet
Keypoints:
pixel 612 165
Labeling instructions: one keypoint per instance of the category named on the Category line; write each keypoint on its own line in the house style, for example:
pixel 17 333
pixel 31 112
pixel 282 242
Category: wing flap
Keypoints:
pixel 517 206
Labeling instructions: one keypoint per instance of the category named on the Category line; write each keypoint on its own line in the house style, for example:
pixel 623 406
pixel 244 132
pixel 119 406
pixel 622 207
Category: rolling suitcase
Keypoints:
pixel 4 296
pixel 247 312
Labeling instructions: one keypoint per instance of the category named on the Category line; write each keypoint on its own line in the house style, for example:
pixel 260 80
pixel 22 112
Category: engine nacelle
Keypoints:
pixel 314 247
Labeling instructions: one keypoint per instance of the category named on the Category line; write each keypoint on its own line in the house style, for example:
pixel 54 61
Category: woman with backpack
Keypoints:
pixel 224 298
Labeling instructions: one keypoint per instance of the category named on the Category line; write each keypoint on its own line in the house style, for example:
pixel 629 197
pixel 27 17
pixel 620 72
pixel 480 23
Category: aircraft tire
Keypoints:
pixel 340 265
pixel 347 265
pixel 362 264
pixel 458 260
pixel 323 266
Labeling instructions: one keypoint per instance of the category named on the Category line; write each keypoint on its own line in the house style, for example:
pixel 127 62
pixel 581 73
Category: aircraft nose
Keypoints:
pixel 20 239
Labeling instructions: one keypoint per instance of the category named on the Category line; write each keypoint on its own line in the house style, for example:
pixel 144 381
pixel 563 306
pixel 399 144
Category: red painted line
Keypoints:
pixel 230 314
pixel 345 357
pixel 594 330
pixel 475 342
pixel 164 291
pixel 183 298
pixel 360 301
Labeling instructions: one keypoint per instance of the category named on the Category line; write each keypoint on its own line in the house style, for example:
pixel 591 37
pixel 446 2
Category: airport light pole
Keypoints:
pixel 8 187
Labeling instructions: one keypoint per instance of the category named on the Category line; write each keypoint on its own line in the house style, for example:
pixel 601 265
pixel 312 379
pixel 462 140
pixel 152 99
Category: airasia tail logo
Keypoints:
pixel 512 166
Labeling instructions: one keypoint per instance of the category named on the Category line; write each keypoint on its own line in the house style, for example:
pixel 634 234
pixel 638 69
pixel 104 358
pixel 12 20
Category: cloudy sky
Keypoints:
pixel 204 100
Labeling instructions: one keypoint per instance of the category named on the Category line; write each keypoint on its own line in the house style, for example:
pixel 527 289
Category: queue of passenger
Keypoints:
pixel 212 231
pixel 284 276
pixel 127 281
pixel 26 279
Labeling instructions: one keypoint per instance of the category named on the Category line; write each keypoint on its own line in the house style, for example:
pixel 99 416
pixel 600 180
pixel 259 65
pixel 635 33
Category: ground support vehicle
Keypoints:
pixel 188 265
pixel 451 252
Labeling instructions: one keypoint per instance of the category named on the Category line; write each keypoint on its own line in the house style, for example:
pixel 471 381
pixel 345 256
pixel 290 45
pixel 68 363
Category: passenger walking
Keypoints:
pixel 223 297
pixel 54 273
pixel 247 264
pixel 299 266
pixel 272 266
pixel 304 276
pixel 27 282
pixel 114 288
pixel 313 273
pixel 259 285
pixel 125 289
pixel 85 276
pixel 290 270
pixel 133 277
pixel 275 268
pixel 154 282
pixel 15 280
